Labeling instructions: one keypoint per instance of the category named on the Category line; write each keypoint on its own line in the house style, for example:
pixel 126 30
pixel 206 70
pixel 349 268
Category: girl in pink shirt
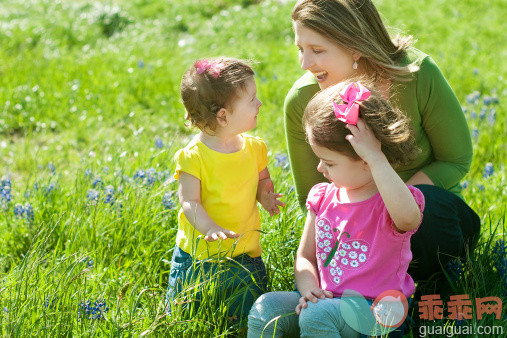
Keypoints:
pixel 355 245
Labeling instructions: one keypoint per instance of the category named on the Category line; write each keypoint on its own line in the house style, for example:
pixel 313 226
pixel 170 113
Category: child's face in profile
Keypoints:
pixel 242 115
pixel 342 170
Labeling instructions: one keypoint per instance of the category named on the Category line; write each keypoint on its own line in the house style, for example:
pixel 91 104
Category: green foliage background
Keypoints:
pixel 92 84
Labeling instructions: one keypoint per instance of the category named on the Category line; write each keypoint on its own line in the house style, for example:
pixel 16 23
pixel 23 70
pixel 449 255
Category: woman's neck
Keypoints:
pixel 222 143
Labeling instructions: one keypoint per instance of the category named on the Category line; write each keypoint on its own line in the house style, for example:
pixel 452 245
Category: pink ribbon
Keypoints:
pixel 214 67
pixel 351 95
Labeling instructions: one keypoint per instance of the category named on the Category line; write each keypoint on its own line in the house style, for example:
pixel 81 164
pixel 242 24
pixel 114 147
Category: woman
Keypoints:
pixel 340 39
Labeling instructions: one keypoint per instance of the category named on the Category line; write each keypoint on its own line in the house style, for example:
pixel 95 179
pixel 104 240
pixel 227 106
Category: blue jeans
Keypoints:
pixel 236 282
pixel 273 315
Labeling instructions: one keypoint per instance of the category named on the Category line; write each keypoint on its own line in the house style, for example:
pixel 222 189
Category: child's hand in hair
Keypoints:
pixel 364 142
pixel 217 232
pixel 268 198
pixel 313 296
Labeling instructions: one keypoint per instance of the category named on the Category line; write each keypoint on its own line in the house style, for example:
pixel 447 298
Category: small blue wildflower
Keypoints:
pixel 465 110
pixel 473 114
pixel 50 301
pixel 488 170
pixel 6 309
pixel 499 256
pixel 475 133
pixel 5 189
pixel 29 215
pixel 151 176
pixel 50 188
pixel 140 64
pixel 105 170
pixel 482 113
pixel 97 182
pixel 51 167
pixel 492 116
pixel 465 184
pixel 455 269
pixel 159 143
pixel 487 100
pixel 19 210
pixel 94 311
pixel 476 71
pixel 92 195
pixel 88 173
pixel 281 161
pixel 473 98
pixel 139 175
pixel 168 200
pixel 109 195
pixel 481 187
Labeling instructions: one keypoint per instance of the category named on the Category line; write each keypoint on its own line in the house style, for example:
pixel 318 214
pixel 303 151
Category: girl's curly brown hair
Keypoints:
pixel 389 125
pixel 203 95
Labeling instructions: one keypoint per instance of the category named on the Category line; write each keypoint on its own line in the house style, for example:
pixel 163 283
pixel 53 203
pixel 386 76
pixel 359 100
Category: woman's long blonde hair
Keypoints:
pixel 356 25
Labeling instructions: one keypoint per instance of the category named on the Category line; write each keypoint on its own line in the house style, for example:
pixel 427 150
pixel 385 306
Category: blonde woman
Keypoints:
pixel 342 39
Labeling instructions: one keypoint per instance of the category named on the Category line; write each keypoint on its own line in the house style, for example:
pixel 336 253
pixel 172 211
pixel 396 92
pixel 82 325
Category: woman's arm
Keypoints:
pixel 445 125
pixel 190 200
pixel 303 161
pixel 305 267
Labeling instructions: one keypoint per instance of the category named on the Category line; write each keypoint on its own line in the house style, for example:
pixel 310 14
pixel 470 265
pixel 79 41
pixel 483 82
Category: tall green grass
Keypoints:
pixel 90 90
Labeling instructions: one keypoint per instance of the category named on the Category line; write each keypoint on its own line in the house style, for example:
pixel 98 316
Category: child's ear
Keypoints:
pixel 222 117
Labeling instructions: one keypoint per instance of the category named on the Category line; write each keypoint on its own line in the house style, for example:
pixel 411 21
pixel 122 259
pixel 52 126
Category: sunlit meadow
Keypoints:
pixel 90 117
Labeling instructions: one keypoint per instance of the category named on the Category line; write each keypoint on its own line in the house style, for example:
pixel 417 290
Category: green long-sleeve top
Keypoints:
pixel 440 128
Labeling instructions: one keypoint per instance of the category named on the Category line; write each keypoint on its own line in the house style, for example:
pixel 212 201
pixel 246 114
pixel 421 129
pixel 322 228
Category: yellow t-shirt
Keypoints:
pixel 228 194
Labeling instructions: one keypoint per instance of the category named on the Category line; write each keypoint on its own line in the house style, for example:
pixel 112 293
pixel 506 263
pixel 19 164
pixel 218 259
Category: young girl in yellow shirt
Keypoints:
pixel 222 174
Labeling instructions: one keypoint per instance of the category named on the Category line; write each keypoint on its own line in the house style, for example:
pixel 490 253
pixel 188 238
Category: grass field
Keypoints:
pixel 90 117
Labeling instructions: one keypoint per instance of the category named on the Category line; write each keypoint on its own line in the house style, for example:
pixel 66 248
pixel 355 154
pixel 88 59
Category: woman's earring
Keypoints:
pixel 354 66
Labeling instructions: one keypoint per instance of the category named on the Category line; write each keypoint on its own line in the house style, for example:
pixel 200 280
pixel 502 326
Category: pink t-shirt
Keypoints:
pixel 371 256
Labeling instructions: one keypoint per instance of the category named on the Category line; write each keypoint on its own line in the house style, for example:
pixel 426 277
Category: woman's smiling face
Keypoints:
pixel 327 61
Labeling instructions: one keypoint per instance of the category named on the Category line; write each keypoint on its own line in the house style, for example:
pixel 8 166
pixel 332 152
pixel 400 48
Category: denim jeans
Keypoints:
pixel 273 315
pixel 237 282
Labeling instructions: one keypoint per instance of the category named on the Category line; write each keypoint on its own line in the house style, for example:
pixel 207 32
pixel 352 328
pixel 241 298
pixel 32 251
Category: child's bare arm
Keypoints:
pixel 399 201
pixel 190 200
pixel 305 267
pixel 266 195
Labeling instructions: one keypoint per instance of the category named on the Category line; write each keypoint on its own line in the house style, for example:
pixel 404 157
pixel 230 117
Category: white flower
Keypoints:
pixel 323 256
pixel 327 242
pixel 353 254
pixel 332 271
pixel 354 263
pixel 339 271
pixel 321 245
pixel 321 234
pixel 362 257
pixel 321 223
pixel 346 246
pixel 342 252
pixel 345 261
pixel 364 248
pixel 336 280
pixel 356 244
pixel 333 262
pixel 327 227
pixel 327 249
pixel 329 235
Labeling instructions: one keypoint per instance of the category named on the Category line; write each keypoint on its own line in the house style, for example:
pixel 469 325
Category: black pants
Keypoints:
pixel 449 229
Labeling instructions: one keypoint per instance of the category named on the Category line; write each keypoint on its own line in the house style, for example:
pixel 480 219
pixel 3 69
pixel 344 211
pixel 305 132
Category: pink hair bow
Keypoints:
pixel 351 95
pixel 214 67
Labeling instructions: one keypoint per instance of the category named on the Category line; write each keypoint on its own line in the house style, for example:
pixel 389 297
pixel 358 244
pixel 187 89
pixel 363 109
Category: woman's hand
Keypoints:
pixel 313 296
pixel 364 142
